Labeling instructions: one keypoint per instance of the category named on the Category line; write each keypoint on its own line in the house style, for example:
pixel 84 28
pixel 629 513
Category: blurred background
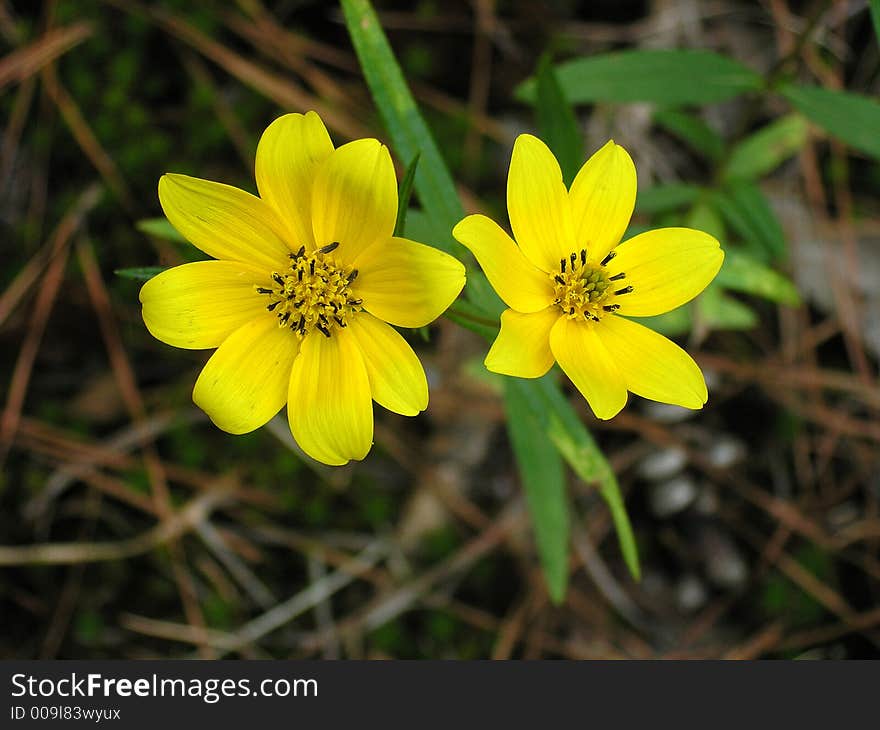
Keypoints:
pixel 132 528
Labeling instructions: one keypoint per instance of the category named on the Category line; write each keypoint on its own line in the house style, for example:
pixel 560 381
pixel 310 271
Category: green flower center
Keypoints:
pixel 585 290
pixel 314 293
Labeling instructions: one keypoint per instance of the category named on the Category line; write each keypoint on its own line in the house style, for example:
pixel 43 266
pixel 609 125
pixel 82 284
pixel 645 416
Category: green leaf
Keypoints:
pixel 744 207
pixel 580 451
pixel 139 273
pixel 850 117
pixel 404 195
pixel 691 129
pixel 557 123
pixel 663 198
pixel 718 311
pixel 704 217
pixel 405 125
pixel 766 149
pixel 668 77
pixel 543 479
pixel 160 228
pixel 740 272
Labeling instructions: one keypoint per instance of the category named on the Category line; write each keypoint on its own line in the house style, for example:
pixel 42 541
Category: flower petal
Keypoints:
pixel 653 366
pixel 538 204
pixel 198 305
pixel 329 405
pixel 406 283
pixel 666 268
pixel 223 221
pixel 602 199
pixel 522 348
pixel 288 156
pixel 397 379
pixel 354 199
pixel 521 285
pixel 579 350
pixel 244 383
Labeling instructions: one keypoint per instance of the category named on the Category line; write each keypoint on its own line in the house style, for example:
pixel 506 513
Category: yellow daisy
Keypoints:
pixel 308 278
pixel 569 281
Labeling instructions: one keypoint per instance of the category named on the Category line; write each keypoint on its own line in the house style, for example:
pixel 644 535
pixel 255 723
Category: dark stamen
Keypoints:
pixel 323 318
pixel 562 266
pixel 583 256
pixel 301 325
pixel 625 290
pixel 559 278
pixel 312 267
pixel 298 254
pixel 571 311
pixel 611 255
pixel 354 302
pixel 611 307
pixel 263 290
pixel 617 277
pixel 591 316
pixel 299 303
pixel 278 278
pixel 339 322
pixel 573 259
pixel 272 306
pixel 329 247
pixel 323 330
pixel 299 275
pixel 284 317
pixel 352 276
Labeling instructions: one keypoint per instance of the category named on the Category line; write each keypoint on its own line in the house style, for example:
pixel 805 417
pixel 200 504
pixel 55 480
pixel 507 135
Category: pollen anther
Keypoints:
pixel 313 294
pixel 583 289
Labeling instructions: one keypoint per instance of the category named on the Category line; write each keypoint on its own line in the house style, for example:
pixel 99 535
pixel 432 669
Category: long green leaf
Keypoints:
pixel 852 118
pixel 557 123
pixel 160 228
pixel 668 77
pixel 766 149
pixel 139 273
pixel 663 198
pixel 693 130
pixel 718 311
pixel 543 478
pixel 740 272
pixel 748 212
pixel 405 124
pixel 404 195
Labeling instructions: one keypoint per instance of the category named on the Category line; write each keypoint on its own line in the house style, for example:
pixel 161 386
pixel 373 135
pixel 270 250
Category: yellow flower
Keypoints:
pixel 568 281
pixel 308 275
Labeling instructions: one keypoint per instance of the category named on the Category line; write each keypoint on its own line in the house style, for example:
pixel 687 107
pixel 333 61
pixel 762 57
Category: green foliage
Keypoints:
pixel 404 195
pixel 663 198
pixel 139 273
pixel 693 130
pixel 543 478
pixel 766 149
pixel 849 117
pixel 557 123
pixel 160 228
pixel 740 272
pixel 667 77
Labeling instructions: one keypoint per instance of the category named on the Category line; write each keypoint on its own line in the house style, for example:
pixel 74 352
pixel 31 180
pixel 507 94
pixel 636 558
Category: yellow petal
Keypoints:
pixel 288 156
pixel 666 268
pixel 653 366
pixel 223 221
pixel 406 283
pixel 245 382
pixel 602 199
pixel 329 405
pixel 199 305
pixel 585 360
pixel 521 285
pixel 397 379
pixel 354 200
pixel 522 348
pixel 538 204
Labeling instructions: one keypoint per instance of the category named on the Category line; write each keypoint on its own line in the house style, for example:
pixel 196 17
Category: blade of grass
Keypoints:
pixel 543 479
pixel 404 195
pixel 556 121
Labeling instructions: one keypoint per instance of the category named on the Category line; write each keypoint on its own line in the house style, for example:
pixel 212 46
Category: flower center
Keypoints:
pixel 585 290
pixel 313 294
